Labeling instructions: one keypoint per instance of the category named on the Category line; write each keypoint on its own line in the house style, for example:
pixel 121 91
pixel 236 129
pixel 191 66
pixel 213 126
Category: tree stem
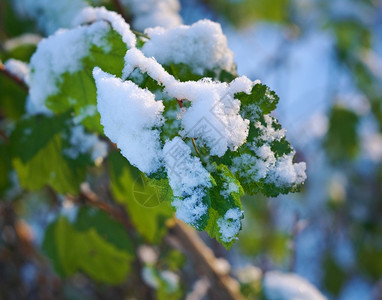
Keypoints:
pixel 120 9
pixel 14 78
pixel 180 103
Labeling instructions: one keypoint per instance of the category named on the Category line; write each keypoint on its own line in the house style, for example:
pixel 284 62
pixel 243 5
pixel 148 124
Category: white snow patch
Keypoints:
pixel 130 115
pixel 147 254
pixel 229 225
pixel 202 46
pixel 60 53
pixel 152 13
pixel 17 68
pixel 213 117
pixel 288 286
pixel 188 180
pixel 265 165
pixel 93 14
pixel 24 39
pixel 82 142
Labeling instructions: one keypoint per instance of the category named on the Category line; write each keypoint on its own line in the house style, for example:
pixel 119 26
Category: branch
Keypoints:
pixel 119 214
pixel 119 8
pixel 114 210
pixel 4 136
pixel 14 78
pixel 204 260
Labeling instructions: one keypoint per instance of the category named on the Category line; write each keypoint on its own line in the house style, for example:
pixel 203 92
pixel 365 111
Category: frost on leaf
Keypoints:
pixel 189 181
pixel 226 210
pixel 61 69
pixel 82 142
pixel 213 115
pixel 243 149
pixel 230 224
pixel 91 15
pixel 129 116
pixel 265 163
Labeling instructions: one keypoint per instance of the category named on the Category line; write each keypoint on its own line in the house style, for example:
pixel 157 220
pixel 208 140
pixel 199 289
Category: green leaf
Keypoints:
pixel 245 12
pixel 77 90
pixel 224 195
pixel 259 236
pixel 108 228
pixel 21 52
pixel 87 251
pixel 279 147
pixel 334 276
pixel 50 167
pixel 145 199
pixel 12 24
pixel 342 138
pixel 184 72
pixel 12 98
pixel 34 133
pixel 260 100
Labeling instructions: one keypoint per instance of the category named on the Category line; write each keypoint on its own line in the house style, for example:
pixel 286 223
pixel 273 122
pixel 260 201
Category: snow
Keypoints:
pixel 150 277
pixel 17 68
pixel 288 286
pixel 249 274
pixel 287 173
pixel 91 14
pixel 214 113
pixel 372 146
pixel 280 171
pixel 188 179
pixel 60 53
pixel 199 289
pixel 202 46
pixel 222 266
pixel 50 15
pixel 130 115
pixel 230 224
pixel 154 279
pixel 152 13
pixel 171 280
pixel 82 142
pixel 147 254
pixel 24 39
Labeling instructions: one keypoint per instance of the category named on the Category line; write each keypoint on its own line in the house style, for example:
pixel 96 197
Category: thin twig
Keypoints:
pixel 14 78
pixel 120 9
pixel 118 213
pixel 196 148
pixel 4 136
pixel 115 211
pixel 140 34
pixel 180 103
pixel 225 286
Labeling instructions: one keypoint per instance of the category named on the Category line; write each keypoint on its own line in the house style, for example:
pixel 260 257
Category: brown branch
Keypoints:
pixel 204 260
pixel 114 210
pixel 14 78
pixel 120 9
pixel 4 136
pixel 119 214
